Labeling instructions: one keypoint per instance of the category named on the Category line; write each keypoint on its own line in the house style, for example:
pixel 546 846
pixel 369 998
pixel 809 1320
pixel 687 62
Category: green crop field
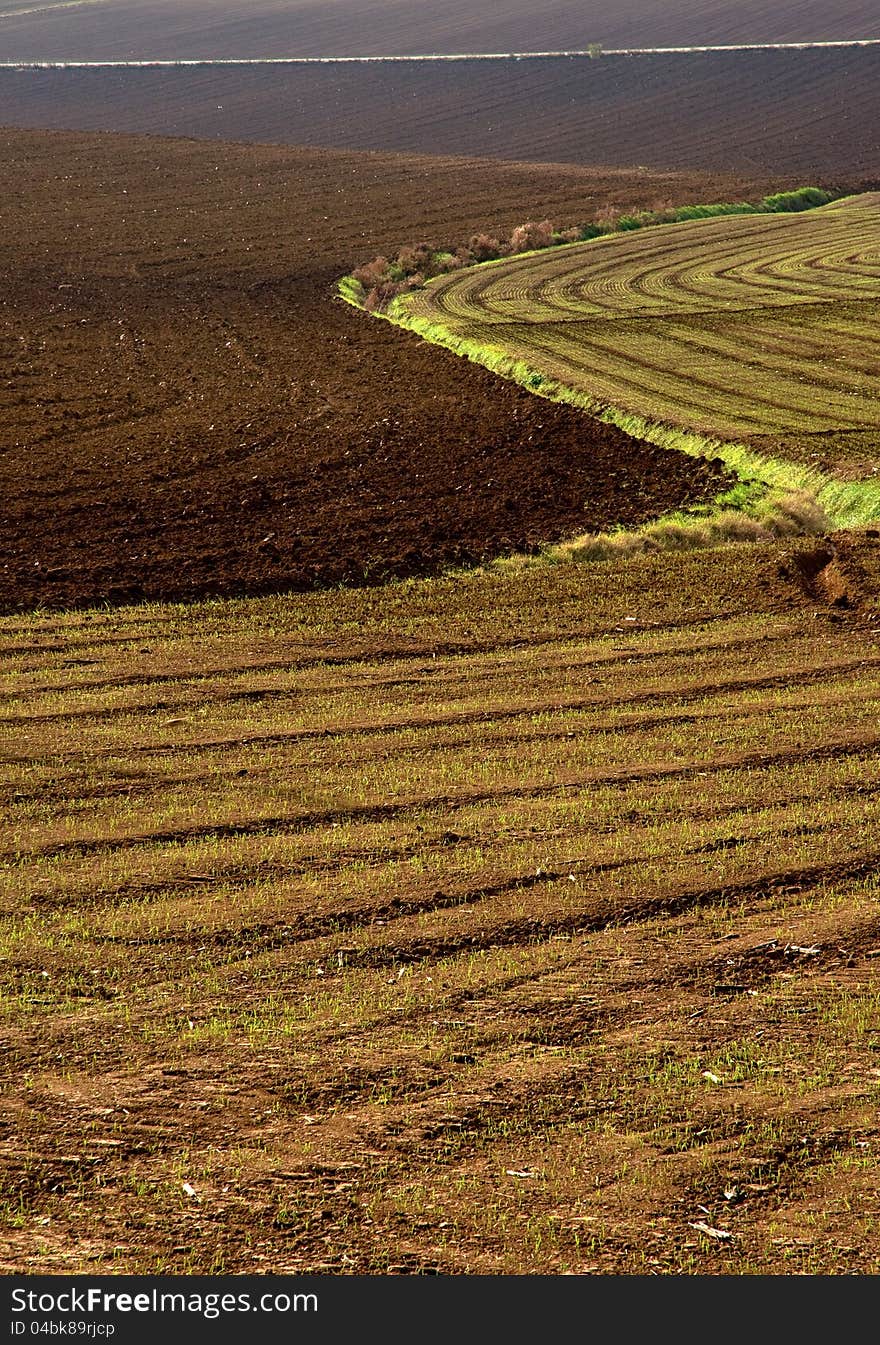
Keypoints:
pixel 761 325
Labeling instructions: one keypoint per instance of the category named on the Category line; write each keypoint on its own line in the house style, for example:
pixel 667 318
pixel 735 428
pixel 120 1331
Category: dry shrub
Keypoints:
pixel 607 217
pixel 484 248
pixel 373 273
pixel 605 546
pixel 572 235
pixel 379 297
pixel 793 513
pixel 732 526
pixel 530 236
pixel 413 259
pixel 442 263
pixel 673 535
pixel 786 515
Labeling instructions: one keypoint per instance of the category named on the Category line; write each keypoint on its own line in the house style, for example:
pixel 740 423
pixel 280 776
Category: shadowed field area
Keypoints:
pixel 176 29
pixel 785 112
pixel 579 963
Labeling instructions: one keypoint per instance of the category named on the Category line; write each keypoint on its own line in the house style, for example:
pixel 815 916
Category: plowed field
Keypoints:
pixel 806 113
pixel 578 962
pixel 176 29
pixel 521 921
pixel 186 408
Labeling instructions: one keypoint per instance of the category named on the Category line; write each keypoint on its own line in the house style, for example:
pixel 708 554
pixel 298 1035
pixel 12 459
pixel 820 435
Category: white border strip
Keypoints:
pixel 412 60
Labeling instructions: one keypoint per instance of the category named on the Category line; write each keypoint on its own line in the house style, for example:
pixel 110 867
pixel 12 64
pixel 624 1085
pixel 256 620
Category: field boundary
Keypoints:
pixel 375 285
pixel 434 57
pixel 773 496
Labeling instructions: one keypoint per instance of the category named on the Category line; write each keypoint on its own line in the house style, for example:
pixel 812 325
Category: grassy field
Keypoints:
pixel 506 923
pixel 755 326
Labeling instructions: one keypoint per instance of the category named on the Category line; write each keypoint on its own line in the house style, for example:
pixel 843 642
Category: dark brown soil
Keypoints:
pixel 808 113
pixel 187 409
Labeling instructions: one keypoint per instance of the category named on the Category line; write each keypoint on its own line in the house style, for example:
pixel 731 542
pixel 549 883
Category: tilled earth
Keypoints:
pixel 231 28
pixel 810 113
pixel 526 924
pixel 187 408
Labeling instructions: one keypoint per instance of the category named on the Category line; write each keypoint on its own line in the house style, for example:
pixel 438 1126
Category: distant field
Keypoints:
pixel 745 325
pixel 523 923
pixel 120 29
pixel 809 113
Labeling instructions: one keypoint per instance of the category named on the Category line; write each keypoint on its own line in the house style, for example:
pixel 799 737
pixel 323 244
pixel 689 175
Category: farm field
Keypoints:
pixel 180 29
pixel 807 113
pixel 577 971
pixel 762 326
pixel 365 907
pixel 186 408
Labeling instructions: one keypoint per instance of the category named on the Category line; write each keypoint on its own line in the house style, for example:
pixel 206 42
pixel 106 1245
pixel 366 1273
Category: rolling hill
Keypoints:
pixel 188 409
pixel 744 325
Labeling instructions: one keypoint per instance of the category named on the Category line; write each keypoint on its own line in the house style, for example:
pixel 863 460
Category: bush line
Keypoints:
pixel 375 285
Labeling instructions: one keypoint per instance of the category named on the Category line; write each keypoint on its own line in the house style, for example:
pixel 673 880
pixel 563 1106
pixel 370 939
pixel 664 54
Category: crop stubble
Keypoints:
pixel 467 1007
pixel 582 954
pixel 754 326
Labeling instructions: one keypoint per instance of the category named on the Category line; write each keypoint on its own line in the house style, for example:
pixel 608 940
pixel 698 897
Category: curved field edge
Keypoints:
pixel 774 496
pixel 765 482
pixel 375 285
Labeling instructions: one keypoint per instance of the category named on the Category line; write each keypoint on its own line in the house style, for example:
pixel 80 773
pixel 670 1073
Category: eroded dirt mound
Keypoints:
pixel 187 409
pixel 839 572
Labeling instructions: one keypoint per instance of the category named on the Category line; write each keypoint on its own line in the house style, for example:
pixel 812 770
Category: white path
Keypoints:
pixel 457 56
